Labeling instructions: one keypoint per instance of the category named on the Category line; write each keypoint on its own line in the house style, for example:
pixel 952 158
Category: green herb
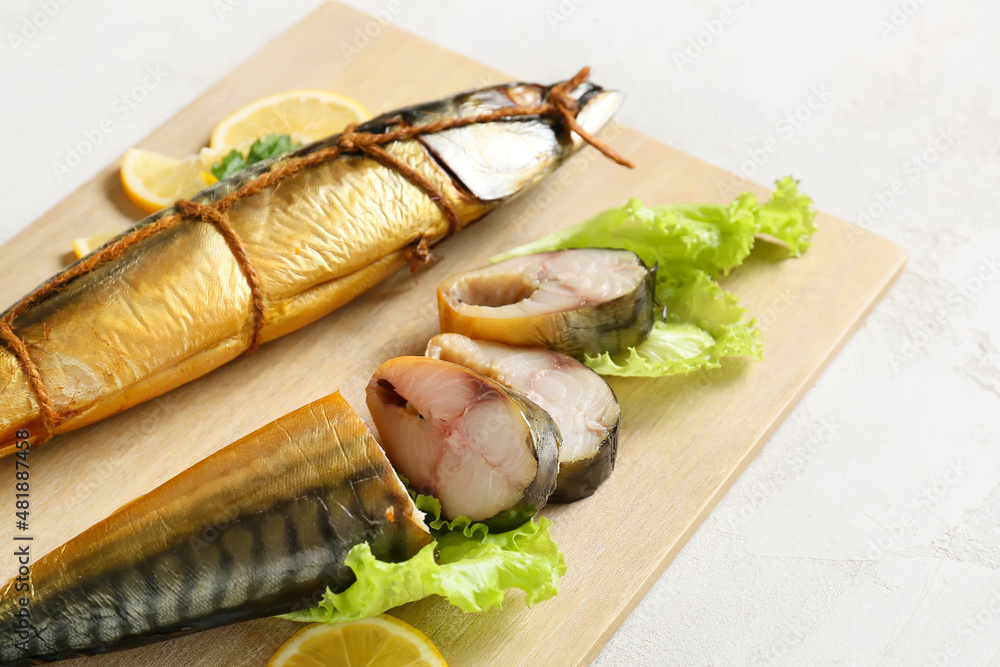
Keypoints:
pixel 262 149
pixel 690 244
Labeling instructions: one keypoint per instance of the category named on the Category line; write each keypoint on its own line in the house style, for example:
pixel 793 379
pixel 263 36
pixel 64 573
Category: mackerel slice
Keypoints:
pixel 579 401
pixel 484 451
pixel 578 302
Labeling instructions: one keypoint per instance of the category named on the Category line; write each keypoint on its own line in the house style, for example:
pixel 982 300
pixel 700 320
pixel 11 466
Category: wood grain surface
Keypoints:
pixel 684 440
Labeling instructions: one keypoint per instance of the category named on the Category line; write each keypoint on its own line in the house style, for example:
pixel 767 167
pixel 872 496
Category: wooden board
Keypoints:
pixel 684 440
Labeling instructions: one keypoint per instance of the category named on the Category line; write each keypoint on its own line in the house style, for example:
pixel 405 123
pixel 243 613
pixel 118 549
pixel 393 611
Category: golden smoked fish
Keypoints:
pixel 178 304
pixel 259 528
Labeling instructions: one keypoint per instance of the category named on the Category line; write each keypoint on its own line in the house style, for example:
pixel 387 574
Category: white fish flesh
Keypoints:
pixel 485 452
pixel 579 401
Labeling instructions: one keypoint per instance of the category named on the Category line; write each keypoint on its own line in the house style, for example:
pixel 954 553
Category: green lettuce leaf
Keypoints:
pixel 690 244
pixel 473 569
pixel 431 507
pixel 789 217
pixel 704 324
pixel 690 237
pixel 714 238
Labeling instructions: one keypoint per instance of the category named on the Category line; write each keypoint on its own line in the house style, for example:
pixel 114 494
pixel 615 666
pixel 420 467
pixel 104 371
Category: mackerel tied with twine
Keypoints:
pixel 559 104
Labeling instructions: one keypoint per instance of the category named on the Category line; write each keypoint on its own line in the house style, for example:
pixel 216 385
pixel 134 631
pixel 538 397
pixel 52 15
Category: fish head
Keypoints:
pixel 597 106
pixel 499 159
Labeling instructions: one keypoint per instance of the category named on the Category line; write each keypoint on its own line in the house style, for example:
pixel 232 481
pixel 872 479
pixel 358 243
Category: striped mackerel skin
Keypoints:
pixel 257 529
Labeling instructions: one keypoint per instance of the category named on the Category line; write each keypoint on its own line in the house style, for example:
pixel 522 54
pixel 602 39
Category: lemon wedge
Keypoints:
pixel 88 244
pixel 154 181
pixel 305 115
pixel 382 641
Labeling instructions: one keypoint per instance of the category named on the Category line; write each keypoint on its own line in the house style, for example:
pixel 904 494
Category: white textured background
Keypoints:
pixel 868 530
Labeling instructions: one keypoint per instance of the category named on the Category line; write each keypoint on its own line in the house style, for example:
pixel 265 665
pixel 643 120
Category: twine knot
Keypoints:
pixel 347 142
pixel 559 93
pixel 562 102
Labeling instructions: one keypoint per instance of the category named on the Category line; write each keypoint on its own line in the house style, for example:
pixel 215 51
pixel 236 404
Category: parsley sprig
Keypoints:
pixel 262 149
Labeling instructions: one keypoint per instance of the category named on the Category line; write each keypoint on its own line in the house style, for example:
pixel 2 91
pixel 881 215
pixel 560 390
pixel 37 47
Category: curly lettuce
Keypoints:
pixel 473 569
pixel 704 324
pixel 690 244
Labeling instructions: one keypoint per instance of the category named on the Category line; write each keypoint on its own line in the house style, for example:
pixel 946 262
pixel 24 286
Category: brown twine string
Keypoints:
pixel 194 211
pixel 20 350
pixel 559 103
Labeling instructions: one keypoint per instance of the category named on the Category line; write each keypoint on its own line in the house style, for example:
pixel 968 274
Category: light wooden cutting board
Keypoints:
pixel 684 440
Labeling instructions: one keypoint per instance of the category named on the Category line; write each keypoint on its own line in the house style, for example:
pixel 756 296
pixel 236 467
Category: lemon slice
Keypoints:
pixel 305 115
pixel 382 641
pixel 154 181
pixel 88 244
